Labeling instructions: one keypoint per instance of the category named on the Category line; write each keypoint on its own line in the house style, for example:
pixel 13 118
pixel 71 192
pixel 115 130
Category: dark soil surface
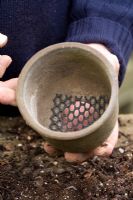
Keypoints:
pixel 28 173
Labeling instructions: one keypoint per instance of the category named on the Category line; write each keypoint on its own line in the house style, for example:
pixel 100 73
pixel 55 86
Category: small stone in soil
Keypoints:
pixel 121 150
pixel 39 181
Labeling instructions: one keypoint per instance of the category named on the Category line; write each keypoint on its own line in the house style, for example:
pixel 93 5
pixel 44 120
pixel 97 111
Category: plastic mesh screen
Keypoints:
pixel 75 113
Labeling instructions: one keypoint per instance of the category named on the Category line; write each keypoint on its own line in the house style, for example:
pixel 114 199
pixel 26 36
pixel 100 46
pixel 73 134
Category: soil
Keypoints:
pixel 27 172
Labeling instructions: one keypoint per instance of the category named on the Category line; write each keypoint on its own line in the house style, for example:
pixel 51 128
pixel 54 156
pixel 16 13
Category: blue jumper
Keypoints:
pixel 34 24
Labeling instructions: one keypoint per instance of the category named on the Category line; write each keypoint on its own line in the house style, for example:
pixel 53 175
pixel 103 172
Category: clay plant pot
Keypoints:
pixel 69 69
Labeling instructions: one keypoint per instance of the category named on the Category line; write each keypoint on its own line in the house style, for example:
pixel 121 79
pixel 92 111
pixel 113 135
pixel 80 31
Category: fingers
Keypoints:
pixel 108 145
pixel 8 92
pixel 12 83
pixel 49 149
pixel 7 96
pixel 7 88
pixel 5 61
pixel 76 157
pixel 3 40
pixel 70 157
pixel 104 150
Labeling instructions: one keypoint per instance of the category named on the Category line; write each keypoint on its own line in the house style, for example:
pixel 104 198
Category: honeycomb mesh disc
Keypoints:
pixel 75 113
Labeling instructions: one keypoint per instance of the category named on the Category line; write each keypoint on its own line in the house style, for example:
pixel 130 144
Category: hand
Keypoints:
pixel 107 147
pixel 7 88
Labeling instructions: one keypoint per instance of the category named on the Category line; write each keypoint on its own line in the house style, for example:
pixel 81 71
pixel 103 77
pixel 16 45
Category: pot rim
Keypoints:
pixel 71 135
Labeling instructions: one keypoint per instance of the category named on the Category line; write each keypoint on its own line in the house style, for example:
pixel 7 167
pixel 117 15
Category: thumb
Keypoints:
pixel 106 53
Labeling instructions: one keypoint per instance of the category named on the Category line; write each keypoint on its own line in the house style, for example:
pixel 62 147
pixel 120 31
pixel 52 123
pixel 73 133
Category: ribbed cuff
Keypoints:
pixel 114 36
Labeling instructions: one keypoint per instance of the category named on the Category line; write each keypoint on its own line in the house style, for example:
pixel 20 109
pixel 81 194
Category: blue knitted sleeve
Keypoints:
pixel 109 22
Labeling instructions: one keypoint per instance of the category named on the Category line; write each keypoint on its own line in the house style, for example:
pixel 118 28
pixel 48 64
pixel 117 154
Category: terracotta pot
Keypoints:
pixel 72 69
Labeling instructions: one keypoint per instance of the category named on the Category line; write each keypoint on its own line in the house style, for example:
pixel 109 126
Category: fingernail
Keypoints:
pixel 3 40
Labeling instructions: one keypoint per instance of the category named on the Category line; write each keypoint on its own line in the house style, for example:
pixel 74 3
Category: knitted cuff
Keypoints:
pixel 114 36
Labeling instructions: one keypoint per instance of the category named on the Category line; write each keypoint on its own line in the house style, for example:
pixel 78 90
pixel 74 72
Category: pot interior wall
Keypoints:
pixel 67 71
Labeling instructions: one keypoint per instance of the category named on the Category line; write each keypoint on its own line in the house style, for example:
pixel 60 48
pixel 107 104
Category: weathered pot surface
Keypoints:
pixel 68 69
